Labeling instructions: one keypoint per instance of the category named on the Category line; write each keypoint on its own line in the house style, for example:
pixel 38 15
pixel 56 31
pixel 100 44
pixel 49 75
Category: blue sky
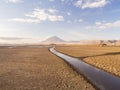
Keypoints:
pixel 68 19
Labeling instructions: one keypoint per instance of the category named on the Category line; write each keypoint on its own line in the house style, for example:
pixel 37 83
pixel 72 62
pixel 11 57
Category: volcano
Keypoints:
pixel 53 40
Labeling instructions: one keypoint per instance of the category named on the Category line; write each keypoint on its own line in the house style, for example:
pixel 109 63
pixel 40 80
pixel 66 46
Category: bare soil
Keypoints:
pixel 37 69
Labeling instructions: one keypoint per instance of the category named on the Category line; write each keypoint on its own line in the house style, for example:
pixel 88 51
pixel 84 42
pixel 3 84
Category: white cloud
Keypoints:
pixel 102 25
pixel 15 1
pixel 110 25
pixel 23 20
pixel 55 18
pixel 91 3
pixel 62 0
pixel 40 15
pixel 98 23
pixel 51 0
pixel 43 15
pixel 18 40
pixel 82 35
pixel 80 20
pixel 68 13
pixel 52 11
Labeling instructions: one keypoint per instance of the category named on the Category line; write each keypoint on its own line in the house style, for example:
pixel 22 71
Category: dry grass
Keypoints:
pixel 110 63
pixel 107 58
pixel 37 69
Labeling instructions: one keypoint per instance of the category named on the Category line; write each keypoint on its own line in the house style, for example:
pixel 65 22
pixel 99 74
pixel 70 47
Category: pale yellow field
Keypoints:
pixel 106 58
pixel 37 69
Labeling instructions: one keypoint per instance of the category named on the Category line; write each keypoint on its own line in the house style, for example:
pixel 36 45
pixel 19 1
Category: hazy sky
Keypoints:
pixel 68 19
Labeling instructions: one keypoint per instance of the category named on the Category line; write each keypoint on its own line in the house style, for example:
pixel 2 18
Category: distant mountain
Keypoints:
pixel 57 40
pixel 6 41
pixel 53 40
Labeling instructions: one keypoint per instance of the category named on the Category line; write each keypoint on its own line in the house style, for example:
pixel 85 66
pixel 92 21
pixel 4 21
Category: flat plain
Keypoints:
pixel 37 69
pixel 106 58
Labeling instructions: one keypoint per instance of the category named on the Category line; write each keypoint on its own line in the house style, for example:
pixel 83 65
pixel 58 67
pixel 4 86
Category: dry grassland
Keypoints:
pixel 106 58
pixel 37 69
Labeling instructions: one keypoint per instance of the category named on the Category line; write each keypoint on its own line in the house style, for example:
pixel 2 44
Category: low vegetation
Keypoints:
pixel 106 58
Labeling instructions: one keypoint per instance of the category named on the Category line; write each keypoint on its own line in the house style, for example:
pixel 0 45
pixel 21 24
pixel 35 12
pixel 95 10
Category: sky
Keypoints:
pixel 67 19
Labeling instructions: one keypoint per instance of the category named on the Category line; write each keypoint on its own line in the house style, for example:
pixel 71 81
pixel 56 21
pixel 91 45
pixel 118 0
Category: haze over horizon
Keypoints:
pixel 68 19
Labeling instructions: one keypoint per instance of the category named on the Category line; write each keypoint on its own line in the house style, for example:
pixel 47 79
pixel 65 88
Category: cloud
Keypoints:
pixel 12 38
pixel 15 1
pixel 68 13
pixel 75 21
pixel 18 40
pixel 80 20
pixel 91 3
pixel 52 11
pixel 43 15
pixel 55 18
pixel 51 0
pixel 23 20
pixel 62 0
pixel 109 25
pixel 102 25
pixel 82 35
pixel 40 15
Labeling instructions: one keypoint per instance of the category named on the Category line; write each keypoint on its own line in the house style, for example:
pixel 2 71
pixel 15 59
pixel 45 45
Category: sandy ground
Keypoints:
pixel 87 50
pixel 106 58
pixel 37 69
pixel 109 63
